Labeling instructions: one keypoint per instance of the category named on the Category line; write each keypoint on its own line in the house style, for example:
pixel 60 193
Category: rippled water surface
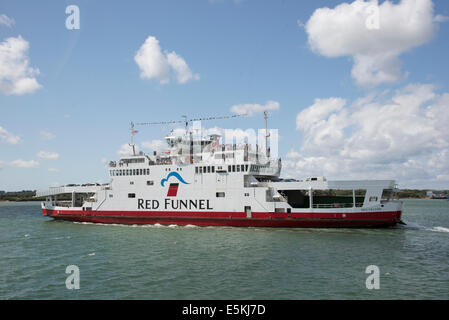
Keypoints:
pixel 156 262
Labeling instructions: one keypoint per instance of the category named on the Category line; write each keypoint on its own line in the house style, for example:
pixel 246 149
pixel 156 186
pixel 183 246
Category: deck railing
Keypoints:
pixel 336 205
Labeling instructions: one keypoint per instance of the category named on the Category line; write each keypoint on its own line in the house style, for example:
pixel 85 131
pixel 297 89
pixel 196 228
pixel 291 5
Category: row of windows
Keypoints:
pixel 205 169
pixel 256 168
pixel 129 172
pixel 177 169
pixel 238 168
pixel 231 168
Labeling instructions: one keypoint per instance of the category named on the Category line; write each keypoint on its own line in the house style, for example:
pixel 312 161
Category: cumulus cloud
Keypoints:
pixel 47 135
pixel 154 145
pixel 252 109
pixel 403 136
pixel 161 66
pixel 48 155
pixel 8 137
pixel 6 21
pixel 373 35
pixel 19 163
pixel 16 76
pixel 127 150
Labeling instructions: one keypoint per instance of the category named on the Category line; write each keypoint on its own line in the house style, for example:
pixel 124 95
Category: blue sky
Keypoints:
pixel 244 52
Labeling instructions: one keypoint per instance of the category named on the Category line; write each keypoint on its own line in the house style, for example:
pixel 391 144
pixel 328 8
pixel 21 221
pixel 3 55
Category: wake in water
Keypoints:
pixel 440 229
pixel 416 226
pixel 157 225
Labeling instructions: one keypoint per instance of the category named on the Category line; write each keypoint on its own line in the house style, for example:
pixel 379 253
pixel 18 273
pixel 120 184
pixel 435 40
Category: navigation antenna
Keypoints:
pixel 132 133
pixel 186 120
pixel 267 134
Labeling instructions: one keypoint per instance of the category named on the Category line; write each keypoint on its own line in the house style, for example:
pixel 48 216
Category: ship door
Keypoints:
pixel 248 211
pixel 221 178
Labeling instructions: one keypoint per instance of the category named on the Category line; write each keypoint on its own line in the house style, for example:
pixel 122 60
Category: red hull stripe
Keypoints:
pixel 261 219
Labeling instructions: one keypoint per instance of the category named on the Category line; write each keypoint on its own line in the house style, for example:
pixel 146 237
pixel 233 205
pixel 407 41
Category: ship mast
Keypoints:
pixel 267 135
pixel 132 132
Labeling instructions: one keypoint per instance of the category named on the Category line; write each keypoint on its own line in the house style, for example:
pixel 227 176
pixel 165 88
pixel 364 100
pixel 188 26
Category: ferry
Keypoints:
pixel 204 182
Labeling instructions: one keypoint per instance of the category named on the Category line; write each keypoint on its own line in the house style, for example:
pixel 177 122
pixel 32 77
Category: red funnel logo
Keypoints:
pixel 173 190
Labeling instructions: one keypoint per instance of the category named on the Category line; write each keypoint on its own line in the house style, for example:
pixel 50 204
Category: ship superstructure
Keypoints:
pixel 202 181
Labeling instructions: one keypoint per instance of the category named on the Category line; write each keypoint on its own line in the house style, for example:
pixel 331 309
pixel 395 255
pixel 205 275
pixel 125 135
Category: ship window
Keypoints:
pixel 213 169
pixel 148 171
pixel 208 169
pixel 220 194
pixel 196 170
pixel 233 168
pixel 229 168
pixel 238 168
pixel 131 195
pixel 246 194
pixel 111 195
pixel 141 171
pixel 372 198
pixel 201 169
pixel 246 168
pixel 134 172
pixel 150 183
pixel 204 169
pixel 131 182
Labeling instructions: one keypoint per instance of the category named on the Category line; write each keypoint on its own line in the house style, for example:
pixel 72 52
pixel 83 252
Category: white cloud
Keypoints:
pixel 292 154
pixel 48 155
pixel 6 21
pixel 440 18
pixel 349 30
pixel 154 145
pixel 16 77
pixel 8 137
pixel 158 65
pixel 47 135
pixel 252 109
pixel 19 163
pixel 180 67
pixel 127 150
pixel 404 136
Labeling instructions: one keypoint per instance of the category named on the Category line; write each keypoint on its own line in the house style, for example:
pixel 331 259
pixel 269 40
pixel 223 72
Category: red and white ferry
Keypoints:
pixel 205 183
